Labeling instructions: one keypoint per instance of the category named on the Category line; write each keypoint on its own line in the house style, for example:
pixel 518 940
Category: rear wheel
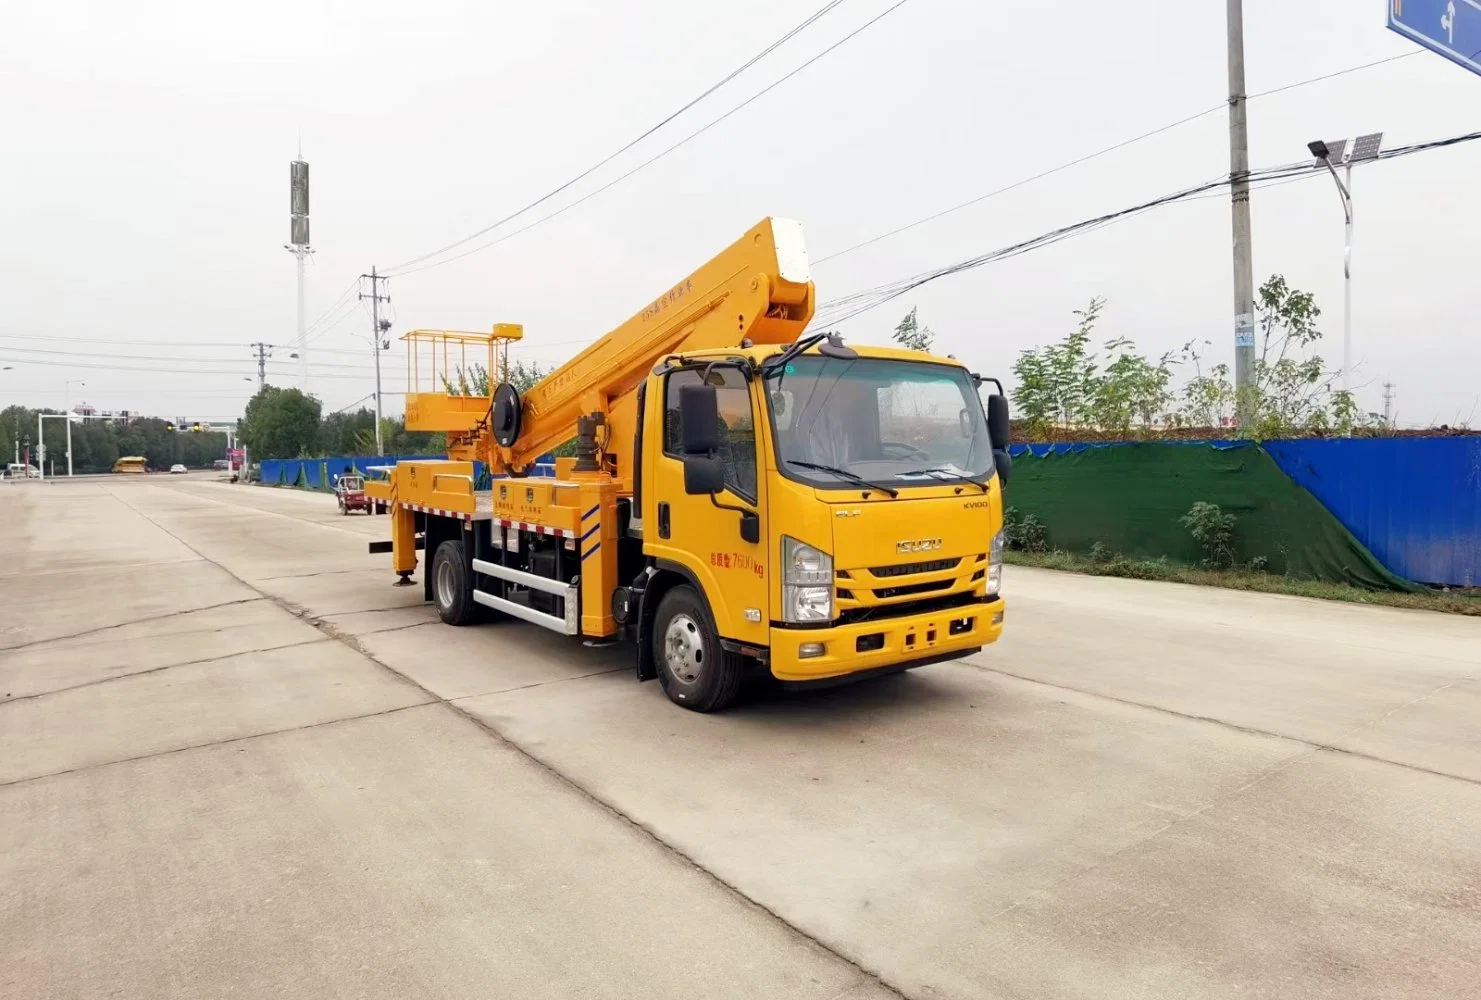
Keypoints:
pixel 452 590
pixel 693 669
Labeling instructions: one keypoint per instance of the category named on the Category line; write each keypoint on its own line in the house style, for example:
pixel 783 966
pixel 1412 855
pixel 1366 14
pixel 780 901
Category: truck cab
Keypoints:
pixel 839 510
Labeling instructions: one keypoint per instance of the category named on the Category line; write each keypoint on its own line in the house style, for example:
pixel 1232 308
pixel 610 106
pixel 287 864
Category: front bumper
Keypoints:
pixel 886 642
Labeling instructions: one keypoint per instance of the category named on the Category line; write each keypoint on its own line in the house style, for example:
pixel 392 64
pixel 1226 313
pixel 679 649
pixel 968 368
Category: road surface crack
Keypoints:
pixel 224 741
pixel 1317 745
pixel 7 700
pixel 148 620
pixel 610 808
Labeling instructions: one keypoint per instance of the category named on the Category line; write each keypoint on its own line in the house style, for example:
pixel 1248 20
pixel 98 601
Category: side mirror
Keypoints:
pixel 997 421
pixel 703 475
pixel 1003 462
pixel 699 420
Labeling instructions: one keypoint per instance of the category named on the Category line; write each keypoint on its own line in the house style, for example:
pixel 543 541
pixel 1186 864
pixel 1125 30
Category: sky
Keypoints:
pixel 146 150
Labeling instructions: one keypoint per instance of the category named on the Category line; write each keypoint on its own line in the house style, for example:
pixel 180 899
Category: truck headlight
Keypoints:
pixel 995 565
pixel 807 583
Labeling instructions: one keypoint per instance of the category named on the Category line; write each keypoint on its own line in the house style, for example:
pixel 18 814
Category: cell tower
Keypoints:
pixel 298 245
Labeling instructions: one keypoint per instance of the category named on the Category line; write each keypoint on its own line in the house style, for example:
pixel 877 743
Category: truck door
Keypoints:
pixel 691 531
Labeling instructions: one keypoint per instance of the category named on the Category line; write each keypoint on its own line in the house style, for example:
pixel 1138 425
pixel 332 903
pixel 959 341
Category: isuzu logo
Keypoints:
pixel 918 545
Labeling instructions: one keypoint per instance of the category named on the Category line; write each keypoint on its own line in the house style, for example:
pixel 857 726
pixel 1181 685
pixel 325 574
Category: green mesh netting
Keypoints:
pixel 1130 497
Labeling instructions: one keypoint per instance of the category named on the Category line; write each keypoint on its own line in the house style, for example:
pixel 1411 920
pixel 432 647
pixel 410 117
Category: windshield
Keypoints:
pixel 900 423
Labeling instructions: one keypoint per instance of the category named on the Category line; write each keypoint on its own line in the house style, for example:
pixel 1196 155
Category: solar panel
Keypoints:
pixel 1335 150
pixel 1365 147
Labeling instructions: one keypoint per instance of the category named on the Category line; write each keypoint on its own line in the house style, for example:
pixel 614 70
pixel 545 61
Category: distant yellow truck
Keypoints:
pixel 743 495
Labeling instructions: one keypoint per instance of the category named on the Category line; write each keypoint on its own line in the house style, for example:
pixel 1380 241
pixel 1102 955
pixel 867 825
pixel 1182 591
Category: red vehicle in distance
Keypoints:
pixel 349 491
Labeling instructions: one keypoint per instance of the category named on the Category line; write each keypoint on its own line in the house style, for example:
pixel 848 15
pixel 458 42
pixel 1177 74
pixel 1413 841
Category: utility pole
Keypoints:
pixel 377 331
pixel 264 351
pixel 1388 405
pixel 1239 195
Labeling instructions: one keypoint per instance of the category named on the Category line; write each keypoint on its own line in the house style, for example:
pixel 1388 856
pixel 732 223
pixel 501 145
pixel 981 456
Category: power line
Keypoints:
pixel 654 159
pixel 338 315
pixel 1103 152
pixel 1332 76
pixel 613 155
pixel 355 403
pixel 175 358
pixel 245 371
pixel 114 342
pixel 344 296
pixel 849 306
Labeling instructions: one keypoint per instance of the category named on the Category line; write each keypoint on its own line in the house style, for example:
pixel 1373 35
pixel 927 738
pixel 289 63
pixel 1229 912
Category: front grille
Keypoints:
pixel 910 569
pixel 854 615
pixel 914 588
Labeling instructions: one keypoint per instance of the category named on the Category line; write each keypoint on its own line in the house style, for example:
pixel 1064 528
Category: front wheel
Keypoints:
pixel 693 669
pixel 452 590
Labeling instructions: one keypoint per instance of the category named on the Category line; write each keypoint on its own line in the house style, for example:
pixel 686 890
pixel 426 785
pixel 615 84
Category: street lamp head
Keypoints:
pixel 1319 149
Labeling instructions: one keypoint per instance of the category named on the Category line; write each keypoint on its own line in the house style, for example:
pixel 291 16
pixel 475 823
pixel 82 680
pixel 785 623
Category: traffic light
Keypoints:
pixel 169 427
pixel 195 428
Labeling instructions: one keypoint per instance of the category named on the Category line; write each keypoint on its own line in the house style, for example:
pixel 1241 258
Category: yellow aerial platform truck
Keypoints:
pixel 742 495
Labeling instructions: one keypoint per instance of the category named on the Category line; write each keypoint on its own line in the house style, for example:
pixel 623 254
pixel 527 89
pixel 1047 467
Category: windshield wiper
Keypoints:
pixel 949 473
pixel 851 477
pixel 831 347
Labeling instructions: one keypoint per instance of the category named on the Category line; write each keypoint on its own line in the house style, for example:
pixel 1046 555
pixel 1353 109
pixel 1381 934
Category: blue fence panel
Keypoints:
pixel 289 471
pixel 1414 502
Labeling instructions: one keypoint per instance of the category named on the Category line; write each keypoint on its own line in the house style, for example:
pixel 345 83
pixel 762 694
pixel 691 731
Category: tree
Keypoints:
pixel 341 433
pixel 280 423
pixel 1292 390
pixel 98 443
pixel 910 334
pixel 397 440
pixel 1069 383
pixel 474 381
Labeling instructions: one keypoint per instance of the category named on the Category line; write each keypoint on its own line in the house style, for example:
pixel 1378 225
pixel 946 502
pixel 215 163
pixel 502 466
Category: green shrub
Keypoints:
pixel 1024 533
pixel 1213 530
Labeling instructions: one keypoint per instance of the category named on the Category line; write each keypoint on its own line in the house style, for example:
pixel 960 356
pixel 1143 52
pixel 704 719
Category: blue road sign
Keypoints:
pixel 1450 27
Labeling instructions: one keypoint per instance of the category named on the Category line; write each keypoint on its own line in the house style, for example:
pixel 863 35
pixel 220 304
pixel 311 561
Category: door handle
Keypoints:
pixel 663 519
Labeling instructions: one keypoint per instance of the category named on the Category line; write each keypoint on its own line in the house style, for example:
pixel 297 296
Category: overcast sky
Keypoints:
pixel 146 145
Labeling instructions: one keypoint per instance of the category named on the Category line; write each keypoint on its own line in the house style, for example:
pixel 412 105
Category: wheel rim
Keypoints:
pixel 684 649
pixel 445 584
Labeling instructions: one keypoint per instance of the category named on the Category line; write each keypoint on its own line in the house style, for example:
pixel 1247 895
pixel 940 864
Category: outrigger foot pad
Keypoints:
pixel 404 581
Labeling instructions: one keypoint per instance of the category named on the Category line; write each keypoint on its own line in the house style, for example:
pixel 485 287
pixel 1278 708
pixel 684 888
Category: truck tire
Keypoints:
pixel 452 590
pixel 693 669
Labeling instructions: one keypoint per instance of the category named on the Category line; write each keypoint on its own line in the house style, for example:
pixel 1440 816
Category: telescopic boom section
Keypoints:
pixel 759 289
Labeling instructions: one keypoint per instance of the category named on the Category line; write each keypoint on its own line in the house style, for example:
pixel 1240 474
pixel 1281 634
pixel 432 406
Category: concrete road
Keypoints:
pixel 236 762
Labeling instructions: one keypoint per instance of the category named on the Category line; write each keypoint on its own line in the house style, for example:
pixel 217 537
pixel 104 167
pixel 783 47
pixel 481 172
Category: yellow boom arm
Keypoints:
pixel 758 289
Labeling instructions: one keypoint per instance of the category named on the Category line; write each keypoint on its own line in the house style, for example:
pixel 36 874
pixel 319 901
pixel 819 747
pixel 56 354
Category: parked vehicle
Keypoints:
pixel 20 470
pixel 743 495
